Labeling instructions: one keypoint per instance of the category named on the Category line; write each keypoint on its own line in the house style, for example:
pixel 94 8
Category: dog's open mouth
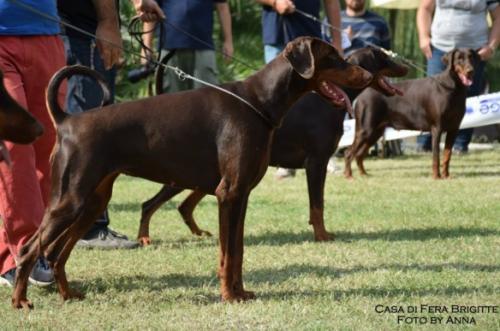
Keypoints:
pixel 4 154
pixel 465 79
pixel 388 88
pixel 335 95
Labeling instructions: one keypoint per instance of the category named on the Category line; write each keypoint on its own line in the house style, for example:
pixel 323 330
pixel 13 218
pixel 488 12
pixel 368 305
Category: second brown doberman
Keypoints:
pixel 16 123
pixel 435 104
pixel 308 137
pixel 203 139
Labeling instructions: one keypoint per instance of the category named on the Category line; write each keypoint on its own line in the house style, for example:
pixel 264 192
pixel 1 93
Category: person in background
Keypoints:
pixel 446 24
pixel 99 18
pixel 364 27
pixel 283 22
pixel 188 29
pixel 31 51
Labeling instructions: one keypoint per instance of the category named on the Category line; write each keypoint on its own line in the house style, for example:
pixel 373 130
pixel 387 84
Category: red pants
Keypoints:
pixel 28 63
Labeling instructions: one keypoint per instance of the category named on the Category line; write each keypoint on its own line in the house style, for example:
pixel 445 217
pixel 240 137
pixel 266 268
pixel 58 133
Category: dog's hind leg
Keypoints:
pixel 186 209
pixel 93 206
pixel 150 207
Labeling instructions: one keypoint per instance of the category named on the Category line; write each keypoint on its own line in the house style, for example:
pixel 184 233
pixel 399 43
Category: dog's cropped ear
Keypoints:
pixel 300 56
pixel 447 59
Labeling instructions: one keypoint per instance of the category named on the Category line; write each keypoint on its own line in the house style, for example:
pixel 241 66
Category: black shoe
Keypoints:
pixel 105 238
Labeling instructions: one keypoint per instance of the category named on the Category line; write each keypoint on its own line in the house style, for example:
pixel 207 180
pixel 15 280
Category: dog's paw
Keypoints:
pixel 22 304
pixel 144 241
pixel 73 294
pixel 324 236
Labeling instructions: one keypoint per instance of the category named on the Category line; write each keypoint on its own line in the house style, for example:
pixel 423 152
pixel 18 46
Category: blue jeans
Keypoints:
pixel 271 51
pixel 434 66
pixel 83 92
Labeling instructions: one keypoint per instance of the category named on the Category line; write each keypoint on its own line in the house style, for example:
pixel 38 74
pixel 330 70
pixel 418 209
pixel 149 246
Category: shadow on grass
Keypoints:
pixel 277 276
pixel 299 270
pixel 280 238
pixel 377 292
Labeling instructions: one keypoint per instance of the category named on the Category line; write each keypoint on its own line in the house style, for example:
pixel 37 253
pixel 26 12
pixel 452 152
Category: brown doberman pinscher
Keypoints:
pixel 435 104
pixel 16 124
pixel 308 137
pixel 203 139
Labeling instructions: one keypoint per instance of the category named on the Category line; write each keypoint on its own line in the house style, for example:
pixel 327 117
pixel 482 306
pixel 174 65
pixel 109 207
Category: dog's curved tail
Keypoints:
pixel 56 112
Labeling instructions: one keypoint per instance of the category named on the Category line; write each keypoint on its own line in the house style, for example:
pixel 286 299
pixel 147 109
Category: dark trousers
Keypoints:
pixel 83 92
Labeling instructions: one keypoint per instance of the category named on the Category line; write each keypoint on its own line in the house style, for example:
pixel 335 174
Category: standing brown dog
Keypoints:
pixel 202 139
pixel 16 124
pixel 435 104
pixel 308 137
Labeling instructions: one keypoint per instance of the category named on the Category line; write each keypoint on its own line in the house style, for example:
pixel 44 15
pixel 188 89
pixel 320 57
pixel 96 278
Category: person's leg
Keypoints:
pixel 434 66
pixel 184 59
pixel 83 94
pixel 464 136
pixel 271 51
pixel 205 67
pixel 24 189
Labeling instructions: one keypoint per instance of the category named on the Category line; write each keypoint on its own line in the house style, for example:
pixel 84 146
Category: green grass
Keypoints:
pixel 402 239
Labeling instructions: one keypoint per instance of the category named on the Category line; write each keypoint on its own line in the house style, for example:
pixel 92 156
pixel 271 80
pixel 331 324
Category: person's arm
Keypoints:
pixel 281 6
pixel 332 9
pixel 108 38
pixel 424 21
pixel 148 10
pixel 148 40
pixel 225 21
pixel 487 51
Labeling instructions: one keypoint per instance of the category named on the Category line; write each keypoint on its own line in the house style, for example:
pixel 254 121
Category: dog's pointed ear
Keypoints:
pixel 300 56
pixel 448 58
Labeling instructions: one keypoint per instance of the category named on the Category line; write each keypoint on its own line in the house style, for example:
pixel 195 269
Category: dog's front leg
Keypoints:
pixel 436 138
pixel 231 215
pixel 448 146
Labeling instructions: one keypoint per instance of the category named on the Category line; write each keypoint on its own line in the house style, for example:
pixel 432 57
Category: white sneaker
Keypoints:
pixel 285 173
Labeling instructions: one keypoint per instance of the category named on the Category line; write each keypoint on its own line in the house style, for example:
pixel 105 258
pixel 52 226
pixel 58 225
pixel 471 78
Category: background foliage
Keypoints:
pixel 248 46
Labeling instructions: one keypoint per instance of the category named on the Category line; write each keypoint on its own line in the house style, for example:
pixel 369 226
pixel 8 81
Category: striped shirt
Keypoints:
pixel 368 27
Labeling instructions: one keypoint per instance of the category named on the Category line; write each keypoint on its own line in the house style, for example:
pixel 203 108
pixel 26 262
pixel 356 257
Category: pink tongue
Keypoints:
pixel 4 154
pixel 465 80
pixel 348 106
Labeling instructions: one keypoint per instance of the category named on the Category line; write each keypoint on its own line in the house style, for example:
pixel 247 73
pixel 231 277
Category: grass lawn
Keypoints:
pixel 403 240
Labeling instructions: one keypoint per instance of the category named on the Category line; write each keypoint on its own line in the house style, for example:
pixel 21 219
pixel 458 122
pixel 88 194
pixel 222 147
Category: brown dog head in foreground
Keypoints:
pixel 202 139
pixel 16 124
pixel 435 104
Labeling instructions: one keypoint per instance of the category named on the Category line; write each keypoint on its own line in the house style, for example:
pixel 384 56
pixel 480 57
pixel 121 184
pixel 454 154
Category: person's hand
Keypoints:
pixel 485 52
pixel 425 47
pixel 109 42
pixel 348 32
pixel 284 7
pixel 228 50
pixel 148 10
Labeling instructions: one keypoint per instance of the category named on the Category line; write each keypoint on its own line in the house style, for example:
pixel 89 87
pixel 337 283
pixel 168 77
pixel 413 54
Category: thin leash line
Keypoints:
pixel 181 74
pixel 386 51
pixel 135 20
